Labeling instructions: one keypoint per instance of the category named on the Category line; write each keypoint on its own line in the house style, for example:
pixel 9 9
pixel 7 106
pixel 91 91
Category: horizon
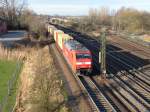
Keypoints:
pixel 81 7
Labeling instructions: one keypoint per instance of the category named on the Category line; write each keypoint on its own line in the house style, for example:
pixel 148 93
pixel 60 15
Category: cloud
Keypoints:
pixel 81 7
pixel 61 9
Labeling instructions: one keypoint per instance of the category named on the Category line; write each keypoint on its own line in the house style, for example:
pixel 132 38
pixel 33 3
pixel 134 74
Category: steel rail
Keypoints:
pixel 102 102
pixel 131 71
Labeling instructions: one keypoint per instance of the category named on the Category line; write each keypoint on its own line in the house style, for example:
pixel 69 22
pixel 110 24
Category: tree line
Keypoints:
pixel 123 20
pixel 18 16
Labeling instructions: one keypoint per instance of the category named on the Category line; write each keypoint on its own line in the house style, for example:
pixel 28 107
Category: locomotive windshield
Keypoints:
pixel 81 56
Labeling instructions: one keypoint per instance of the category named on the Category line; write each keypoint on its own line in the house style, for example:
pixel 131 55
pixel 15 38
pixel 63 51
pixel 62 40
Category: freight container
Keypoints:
pixel 60 40
pixel 52 30
pixel 63 38
pixel 66 37
pixel 49 27
pixel 56 32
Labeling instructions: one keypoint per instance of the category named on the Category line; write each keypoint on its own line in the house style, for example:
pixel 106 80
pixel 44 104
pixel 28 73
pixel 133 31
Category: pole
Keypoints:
pixel 103 54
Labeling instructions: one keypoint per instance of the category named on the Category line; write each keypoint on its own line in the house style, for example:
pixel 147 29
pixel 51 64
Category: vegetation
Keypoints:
pixel 17 15
pixel 6 71
pixel 41 89
pixel 123 20
pixel 13 55
pixel 11 10
pixel 9 76
pixel 132 20
pixel 14 84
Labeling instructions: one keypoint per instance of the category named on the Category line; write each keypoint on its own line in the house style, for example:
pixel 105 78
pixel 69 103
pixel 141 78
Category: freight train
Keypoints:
pixel 78 57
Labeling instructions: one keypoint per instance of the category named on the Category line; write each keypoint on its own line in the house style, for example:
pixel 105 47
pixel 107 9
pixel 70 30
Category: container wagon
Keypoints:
pixel 78 57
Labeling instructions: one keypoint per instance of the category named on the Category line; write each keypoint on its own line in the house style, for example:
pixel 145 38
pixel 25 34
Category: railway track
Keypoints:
pixel 133 45
pixel 122 58
pixel 128 67
pixel 98 101
pixel 130 64
pixel 140 90
pixel 133 96
pixel 101 103
pixel 136 95
pixel 133 64
pixel 129 84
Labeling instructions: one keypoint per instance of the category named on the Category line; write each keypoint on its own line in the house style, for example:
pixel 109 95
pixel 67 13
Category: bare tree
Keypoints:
pixel 11 10
pixel 93 13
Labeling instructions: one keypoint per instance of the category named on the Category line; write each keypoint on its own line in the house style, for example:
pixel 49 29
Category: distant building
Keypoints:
pixel 59 19
pixel 3 26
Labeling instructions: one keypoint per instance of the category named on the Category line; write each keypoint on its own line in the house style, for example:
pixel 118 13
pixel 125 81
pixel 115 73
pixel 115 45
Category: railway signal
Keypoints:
pixel 103 54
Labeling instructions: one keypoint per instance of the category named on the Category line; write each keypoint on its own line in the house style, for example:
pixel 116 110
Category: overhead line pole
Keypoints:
pixel 103 54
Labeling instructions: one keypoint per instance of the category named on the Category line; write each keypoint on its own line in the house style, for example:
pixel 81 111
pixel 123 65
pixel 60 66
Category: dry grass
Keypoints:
pixel 40 89
pixel 7 54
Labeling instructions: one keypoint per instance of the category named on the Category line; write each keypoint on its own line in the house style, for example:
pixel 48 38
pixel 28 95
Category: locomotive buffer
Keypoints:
pixel 102 54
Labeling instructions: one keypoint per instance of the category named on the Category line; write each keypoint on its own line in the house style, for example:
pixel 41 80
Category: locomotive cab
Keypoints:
pixel 83 62
pixel 78 57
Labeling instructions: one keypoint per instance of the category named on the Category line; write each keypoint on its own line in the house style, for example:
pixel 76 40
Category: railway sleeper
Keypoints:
pixel 134 94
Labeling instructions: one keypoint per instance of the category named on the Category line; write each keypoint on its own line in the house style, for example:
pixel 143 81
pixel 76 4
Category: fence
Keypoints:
pixel 11 84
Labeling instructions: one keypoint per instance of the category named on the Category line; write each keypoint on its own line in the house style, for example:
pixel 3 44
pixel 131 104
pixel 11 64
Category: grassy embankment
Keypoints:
pixel 6 70
pixel 8 66
pixel 41 89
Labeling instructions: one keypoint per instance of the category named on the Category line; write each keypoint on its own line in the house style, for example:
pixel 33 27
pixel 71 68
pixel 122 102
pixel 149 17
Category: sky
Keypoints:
pixel 81 7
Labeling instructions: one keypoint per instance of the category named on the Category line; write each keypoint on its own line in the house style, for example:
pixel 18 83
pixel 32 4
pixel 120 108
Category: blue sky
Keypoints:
pixel 81 7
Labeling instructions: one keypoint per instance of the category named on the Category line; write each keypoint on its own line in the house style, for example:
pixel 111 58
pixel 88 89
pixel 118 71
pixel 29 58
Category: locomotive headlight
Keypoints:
pixel 81 63
pixel 87 62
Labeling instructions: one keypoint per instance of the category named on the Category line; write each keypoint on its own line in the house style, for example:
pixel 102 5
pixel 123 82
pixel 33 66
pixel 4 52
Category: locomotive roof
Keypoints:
pixel 75 45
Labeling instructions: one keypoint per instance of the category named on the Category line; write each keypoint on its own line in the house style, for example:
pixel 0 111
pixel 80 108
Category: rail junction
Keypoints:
pixel 127 87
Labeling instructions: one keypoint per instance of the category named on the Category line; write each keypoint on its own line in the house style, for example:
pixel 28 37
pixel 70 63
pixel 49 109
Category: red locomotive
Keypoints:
pixel 77 55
